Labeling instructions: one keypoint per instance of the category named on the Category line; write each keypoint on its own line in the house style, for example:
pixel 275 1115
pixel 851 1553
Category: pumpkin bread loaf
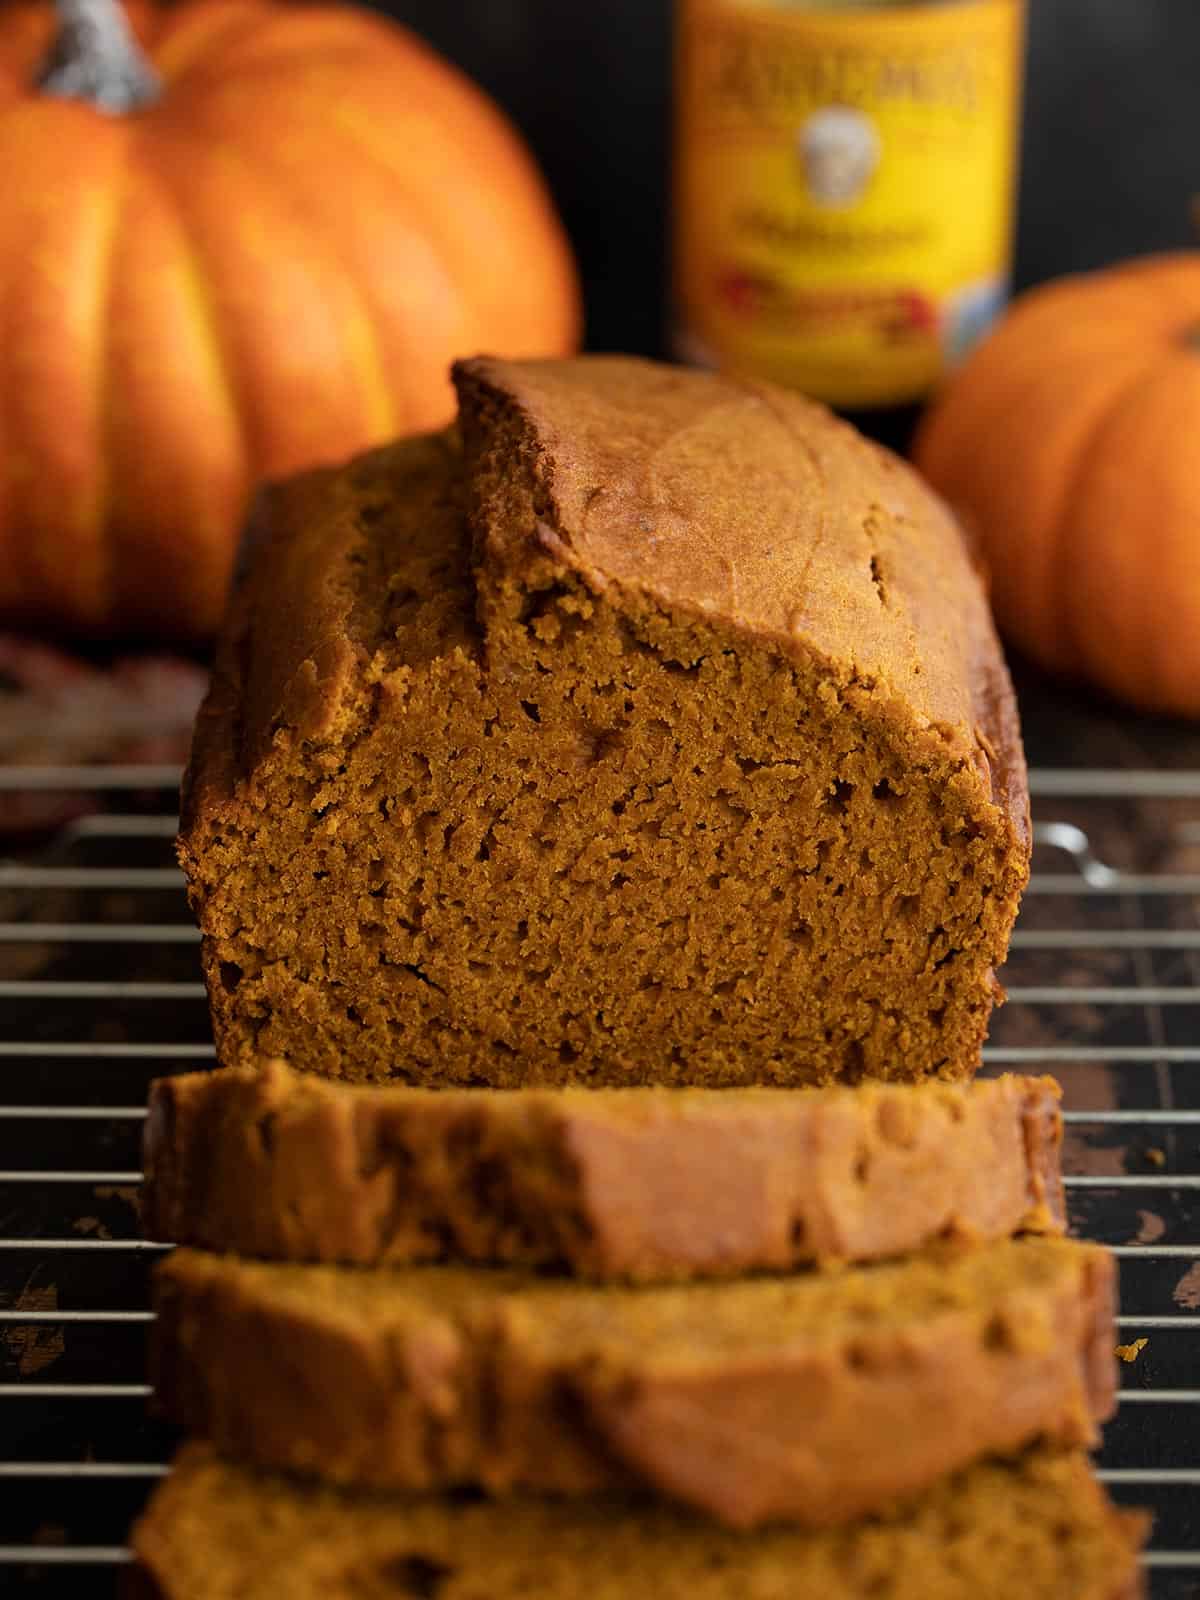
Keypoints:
pixel 815 1397
pixel 1036 1528
pixel 669 709
pixel 607 1183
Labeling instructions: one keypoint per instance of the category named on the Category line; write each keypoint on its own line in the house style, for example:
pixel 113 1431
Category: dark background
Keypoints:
pixel 1111 151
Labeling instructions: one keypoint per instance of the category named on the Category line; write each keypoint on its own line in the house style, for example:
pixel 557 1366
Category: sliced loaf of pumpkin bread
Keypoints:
pixel 814 1397
pixel 610 1183
pixel 1036 1528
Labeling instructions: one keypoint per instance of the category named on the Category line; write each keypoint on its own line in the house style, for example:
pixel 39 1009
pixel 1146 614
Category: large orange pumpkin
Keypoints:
pixel 1071 442
pixel 270 264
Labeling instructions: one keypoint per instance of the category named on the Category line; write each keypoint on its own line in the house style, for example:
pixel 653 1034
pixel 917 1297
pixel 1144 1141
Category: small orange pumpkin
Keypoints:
pixel 1070 441
pixel 269 263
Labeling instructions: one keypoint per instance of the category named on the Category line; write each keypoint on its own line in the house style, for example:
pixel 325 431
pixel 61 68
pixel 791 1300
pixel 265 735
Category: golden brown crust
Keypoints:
pixel 809 539
pixel 609 1183
pixel 297 628
pixel 521 821
pixel 815 1398
pixel 795 531
pixel 1038 1528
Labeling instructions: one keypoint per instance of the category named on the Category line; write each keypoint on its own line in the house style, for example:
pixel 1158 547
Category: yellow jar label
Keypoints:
pixel 844 189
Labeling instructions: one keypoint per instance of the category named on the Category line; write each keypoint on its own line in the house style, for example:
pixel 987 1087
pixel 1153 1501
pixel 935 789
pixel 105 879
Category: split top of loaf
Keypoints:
pixel 665 708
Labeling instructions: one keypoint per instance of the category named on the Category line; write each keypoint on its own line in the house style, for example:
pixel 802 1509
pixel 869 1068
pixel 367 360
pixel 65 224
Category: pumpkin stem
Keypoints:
pixel 96 58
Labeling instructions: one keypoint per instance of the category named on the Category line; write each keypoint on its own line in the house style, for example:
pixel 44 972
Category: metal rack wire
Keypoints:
pixel 99 993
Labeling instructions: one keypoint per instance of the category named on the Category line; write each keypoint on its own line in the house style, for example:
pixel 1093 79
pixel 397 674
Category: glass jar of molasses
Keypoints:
pixel 844 188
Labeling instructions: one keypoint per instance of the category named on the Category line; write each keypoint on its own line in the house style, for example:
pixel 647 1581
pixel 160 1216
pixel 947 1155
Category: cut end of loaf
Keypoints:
pixel 600 738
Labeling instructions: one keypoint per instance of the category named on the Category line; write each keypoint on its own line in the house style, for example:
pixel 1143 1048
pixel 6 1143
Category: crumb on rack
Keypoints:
pixel 1130 1352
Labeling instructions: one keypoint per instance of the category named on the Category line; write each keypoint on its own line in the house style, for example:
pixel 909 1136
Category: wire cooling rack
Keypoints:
pixel 99 992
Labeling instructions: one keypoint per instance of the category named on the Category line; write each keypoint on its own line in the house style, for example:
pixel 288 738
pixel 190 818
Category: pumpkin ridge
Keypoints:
pixel 267 199
pixel 977 457
pixel 363 357
pixel 208 312
pixel 94 533
pixel 434 224
pixel 430 226
pixel 200 250
pixel 1060 621
pixel 422 232
pixel 167 506
pixel 1106 656
pixel 207 320
pixel 58 216
pixel 363 343
pixel 1078 630
pixel 359 127
pixel 191 44
pixel 104 360
pixel 202 76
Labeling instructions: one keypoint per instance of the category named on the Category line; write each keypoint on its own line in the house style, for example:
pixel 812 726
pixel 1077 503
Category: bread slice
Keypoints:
pixel 815 1397
pixel 616 1183
pixel 1037 1528
pixel 674 712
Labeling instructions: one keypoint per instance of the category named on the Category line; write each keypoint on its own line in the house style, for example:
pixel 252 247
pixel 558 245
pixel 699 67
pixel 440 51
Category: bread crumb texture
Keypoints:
pixel 607 1183
pixel 815 1397
pixel 1039 1527
pixel 656 734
